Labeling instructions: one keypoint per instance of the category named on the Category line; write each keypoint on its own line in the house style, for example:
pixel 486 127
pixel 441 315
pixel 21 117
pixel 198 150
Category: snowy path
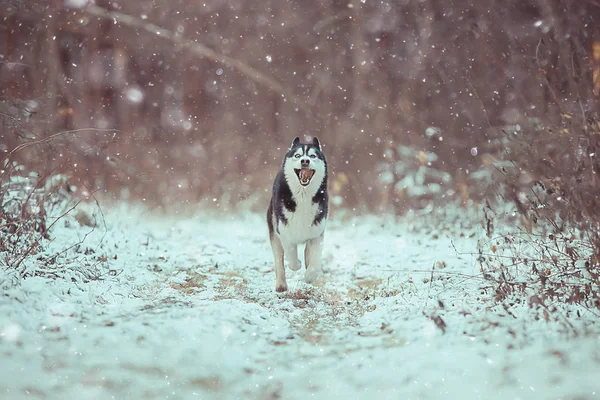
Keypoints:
pixel 190 311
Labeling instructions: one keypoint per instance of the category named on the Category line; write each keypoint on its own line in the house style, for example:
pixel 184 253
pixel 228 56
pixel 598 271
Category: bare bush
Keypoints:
pixel 546 173
pixel 552 257
pixel 30 206
pixel 549 273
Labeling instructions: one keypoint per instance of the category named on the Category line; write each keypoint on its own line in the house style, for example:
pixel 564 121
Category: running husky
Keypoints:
pixel 298 210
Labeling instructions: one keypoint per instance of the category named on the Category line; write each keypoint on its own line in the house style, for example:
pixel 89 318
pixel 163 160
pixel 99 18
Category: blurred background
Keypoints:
pixel 185 103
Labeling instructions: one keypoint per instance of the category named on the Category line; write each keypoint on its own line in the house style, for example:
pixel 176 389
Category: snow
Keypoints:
pixel 185 307
pixel 76 3
pixel 134 95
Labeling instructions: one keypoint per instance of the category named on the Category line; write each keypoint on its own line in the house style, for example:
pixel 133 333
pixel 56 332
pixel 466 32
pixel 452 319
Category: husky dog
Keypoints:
pixel 298 210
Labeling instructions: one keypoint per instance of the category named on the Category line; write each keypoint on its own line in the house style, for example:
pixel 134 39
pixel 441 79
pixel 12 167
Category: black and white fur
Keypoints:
pixel 297 213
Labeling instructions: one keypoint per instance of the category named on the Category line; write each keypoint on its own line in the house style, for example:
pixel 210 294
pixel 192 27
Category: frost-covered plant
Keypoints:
pixel 552 273
pixel 412 174
pixel 30 205
pixel 552 256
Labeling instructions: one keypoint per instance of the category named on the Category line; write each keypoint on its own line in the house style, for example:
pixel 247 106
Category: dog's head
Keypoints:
pixel 305 163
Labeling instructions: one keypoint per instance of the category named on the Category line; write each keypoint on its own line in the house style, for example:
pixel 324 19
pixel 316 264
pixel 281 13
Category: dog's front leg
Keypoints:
pixel 291 253
pixel 314 248
pixel 280 283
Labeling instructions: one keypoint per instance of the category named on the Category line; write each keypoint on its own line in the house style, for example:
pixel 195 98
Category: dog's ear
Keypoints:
pixel 316 143
pixel 296 142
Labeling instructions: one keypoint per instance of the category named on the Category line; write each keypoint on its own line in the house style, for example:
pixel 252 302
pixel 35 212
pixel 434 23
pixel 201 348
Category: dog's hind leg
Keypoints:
pixel 280 283
pixel 314 248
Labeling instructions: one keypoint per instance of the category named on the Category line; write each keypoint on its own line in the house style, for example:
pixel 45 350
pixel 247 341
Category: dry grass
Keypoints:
pixel 365 289
pixel 212 383
pixel 319 310
pixel 194 282
pixel 325 310
pixel 145 370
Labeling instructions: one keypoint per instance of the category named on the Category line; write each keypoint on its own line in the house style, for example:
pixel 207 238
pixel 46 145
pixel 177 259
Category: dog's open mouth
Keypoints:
pixel 305 175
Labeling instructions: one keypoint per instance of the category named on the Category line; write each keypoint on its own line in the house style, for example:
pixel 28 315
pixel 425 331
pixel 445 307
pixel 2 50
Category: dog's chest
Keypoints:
pixel 299 227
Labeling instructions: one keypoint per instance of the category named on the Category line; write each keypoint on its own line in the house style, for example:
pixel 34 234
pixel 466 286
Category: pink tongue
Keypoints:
pixel 306 174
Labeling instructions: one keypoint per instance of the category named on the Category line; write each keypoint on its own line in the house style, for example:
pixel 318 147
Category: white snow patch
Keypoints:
pixel 190 310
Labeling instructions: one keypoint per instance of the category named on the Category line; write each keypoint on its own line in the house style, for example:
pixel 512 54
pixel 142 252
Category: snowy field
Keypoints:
pixel 186 308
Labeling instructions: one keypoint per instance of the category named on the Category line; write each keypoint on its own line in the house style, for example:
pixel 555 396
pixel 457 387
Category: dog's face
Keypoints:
pixel 305 163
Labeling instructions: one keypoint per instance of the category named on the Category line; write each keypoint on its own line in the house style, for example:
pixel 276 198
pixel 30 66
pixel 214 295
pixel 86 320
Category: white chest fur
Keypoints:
pixel 299 227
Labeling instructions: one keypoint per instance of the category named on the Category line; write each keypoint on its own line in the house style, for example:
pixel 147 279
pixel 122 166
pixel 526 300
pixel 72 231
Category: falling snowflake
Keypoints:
pixel 134 95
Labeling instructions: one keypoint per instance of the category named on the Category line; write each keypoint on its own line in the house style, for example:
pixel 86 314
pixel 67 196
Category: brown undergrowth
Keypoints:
pixel 30 206
pixel 550 260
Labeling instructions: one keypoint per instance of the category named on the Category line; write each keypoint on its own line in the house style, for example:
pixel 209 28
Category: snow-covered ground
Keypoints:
pixel 186 308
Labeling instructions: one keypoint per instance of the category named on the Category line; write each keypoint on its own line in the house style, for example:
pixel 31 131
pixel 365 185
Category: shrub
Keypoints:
pixel 30 206
pixel 552 256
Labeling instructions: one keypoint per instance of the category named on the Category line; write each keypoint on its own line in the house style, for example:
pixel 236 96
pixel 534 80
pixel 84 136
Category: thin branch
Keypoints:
pixel 53 137
pixel 331 20
pixel 17 122
pixel 545 75
pixel 480 101
pixel 36 242
pixel 200 50
pixel 428 271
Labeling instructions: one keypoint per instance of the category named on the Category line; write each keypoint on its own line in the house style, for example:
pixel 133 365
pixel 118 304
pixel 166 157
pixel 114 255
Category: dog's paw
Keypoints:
pixel 281 287
pixel 311 275
pixel 295 266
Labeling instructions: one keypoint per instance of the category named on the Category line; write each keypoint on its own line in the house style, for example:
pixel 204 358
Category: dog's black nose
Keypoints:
pixel 305 163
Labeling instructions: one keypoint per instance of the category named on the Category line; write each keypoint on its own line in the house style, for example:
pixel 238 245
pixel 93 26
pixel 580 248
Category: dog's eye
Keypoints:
pixel 297 155
pixel 313 156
